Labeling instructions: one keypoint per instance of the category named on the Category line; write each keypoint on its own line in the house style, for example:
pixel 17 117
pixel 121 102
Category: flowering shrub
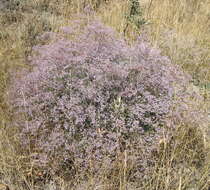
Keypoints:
pixel 90 95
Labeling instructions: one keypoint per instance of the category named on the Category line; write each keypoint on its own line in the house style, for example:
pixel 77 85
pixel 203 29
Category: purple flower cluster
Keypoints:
pixel 90 95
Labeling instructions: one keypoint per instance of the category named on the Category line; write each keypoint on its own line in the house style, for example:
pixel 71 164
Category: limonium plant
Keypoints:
pixel 90 95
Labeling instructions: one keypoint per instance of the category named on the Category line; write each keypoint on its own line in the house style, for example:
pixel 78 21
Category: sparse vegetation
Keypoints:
pixel 40 102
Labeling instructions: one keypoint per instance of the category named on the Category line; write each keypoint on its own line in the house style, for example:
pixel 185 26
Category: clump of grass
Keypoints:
pixel 185 25
pixel 186 52
pixel 183 16
pixel 182 162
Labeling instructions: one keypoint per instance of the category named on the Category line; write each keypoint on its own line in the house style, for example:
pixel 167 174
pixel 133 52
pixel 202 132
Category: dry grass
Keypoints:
pixel 178 164
pixel 178 27
pixel 188 22
pixel 182 162
pixel 185 16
